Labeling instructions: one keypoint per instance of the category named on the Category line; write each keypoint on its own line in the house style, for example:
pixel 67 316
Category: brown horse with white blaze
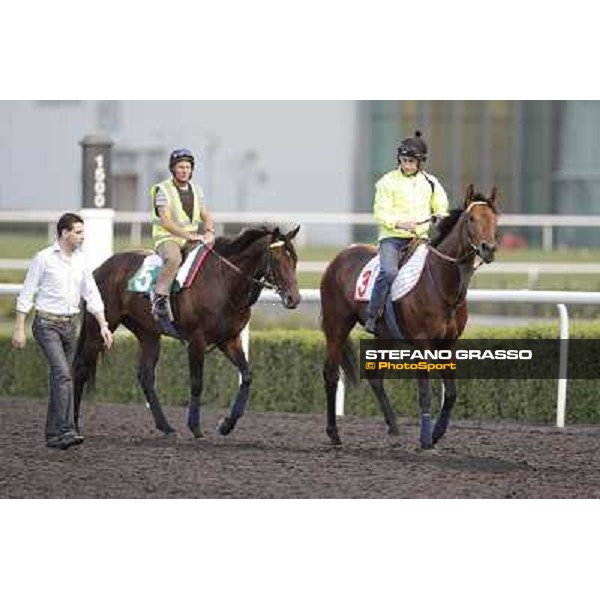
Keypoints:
pixel 211 312
pixel 431 316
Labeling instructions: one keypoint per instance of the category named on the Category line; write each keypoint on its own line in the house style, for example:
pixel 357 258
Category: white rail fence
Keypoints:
pixel 559 298
pixel 136 219
pixel 533 270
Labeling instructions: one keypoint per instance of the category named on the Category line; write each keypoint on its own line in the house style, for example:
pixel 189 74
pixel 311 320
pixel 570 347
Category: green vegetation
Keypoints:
pixel 14 245
pixel 24 245
pixel 582 255
pixel 508 281
pixel 286 368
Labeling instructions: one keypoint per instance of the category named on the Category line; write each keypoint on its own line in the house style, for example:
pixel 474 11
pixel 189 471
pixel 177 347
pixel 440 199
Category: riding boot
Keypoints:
pixel 381 289
pixel 161 308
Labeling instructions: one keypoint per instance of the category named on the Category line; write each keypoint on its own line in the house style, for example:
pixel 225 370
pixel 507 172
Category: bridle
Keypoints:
pixel 473 250
pixel 267 280
pixel 458 261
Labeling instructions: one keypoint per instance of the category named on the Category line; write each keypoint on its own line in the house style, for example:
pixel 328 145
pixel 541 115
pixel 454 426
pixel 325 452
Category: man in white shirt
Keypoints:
pixel 58 279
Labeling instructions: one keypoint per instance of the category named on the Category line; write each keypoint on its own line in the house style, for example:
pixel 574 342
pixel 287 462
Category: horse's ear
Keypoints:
pixel 492 199
pixel 292 234
pixel 468 196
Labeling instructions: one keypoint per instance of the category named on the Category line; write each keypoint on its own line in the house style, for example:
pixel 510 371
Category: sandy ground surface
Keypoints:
pixel 272 455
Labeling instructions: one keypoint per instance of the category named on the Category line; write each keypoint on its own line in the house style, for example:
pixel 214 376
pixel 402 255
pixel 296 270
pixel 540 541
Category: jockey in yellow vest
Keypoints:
pixel 177 211
pixel 405 201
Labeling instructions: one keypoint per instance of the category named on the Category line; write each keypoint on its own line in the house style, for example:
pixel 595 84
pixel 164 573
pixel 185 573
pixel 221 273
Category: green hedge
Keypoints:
pixel 286 367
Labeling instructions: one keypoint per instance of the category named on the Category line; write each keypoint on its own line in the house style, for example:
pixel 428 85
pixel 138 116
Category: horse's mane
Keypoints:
pixel 445 225
pixel 232 245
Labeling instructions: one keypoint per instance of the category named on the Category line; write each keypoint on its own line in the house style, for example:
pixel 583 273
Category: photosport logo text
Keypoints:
pixel 481 359
pixel 434 360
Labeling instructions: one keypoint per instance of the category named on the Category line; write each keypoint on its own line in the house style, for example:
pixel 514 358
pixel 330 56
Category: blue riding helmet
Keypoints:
pixel 413 147
pixel 179 155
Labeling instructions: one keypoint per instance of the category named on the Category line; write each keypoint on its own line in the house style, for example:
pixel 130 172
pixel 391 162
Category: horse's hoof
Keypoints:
pixel 171 434
pixel 196 431
pixel 334 436
pixel 393 432
pixel 335 439
pixel 225 426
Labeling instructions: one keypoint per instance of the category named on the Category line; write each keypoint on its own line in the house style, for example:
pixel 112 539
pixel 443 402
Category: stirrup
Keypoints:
pixel 161 308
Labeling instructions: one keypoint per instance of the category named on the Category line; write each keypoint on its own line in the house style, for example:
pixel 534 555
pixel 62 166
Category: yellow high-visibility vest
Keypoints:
pixel 178 215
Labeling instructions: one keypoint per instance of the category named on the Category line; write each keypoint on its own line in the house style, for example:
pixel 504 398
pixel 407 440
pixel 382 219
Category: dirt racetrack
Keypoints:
pixel 272 455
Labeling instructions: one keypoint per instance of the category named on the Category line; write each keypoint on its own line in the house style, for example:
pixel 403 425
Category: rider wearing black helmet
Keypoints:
pixel 405 201
pixel 177 210
pixel 413 147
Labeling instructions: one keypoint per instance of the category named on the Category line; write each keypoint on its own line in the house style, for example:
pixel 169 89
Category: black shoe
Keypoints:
pixel 65 440
pixel 74 437
pixel 59 442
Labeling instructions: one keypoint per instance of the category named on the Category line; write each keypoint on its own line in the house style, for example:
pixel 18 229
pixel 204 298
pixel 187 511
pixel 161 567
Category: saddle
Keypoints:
pixel 411 263
pixel 144 280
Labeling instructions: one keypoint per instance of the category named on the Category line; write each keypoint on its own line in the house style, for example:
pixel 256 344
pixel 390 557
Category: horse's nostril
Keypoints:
pixel 291 302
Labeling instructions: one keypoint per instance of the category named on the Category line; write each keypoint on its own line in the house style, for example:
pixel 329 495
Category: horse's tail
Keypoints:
pixel 85 360
pixel 349 363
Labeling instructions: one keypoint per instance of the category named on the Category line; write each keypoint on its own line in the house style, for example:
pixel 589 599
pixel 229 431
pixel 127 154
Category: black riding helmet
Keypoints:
pixel 179 155
pixel 413 147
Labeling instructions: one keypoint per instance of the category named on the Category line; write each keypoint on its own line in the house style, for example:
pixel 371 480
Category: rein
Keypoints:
pixel 457 262
pixel 472 247
pixel 263 282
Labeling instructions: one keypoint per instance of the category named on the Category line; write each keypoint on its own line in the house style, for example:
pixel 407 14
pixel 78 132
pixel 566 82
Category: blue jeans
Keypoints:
pixel 57 340
pixel 389 250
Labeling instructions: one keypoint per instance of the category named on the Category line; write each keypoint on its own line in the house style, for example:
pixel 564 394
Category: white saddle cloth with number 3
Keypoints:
pixel 405 281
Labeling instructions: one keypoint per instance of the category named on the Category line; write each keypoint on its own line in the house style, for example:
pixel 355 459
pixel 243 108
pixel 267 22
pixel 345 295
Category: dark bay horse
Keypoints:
pixel 432 316
pixel 211 312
